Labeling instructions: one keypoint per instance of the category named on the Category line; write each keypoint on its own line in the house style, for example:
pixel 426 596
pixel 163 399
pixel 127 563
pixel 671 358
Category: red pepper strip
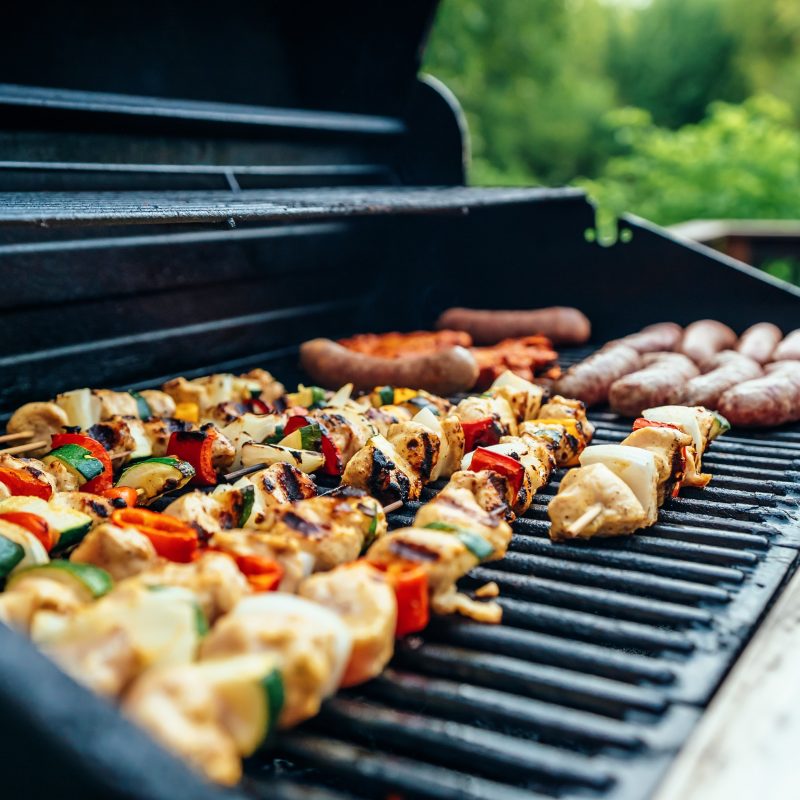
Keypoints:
pixel 333 456
pixel 33 523
pixel 106 478
pixel 171 538
pixel 195 447
pixel 22 484
pixel 410 584
pixel 480 433
pixel 641 422
pixel 263 574
pixel 500 463
pixel 258 406
pixel 126 493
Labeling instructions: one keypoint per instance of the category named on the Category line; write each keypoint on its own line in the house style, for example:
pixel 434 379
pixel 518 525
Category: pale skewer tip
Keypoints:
pixel 24 448
pixel 10 437
pixel 585 519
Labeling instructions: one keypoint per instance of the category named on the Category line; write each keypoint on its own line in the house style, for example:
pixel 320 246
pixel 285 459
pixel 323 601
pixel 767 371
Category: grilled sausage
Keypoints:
pixel 561 324
pixel 731 369
pixel 661 337
pixel 704 338
pixel 789 348
pixel 770 400
pixel 590 379
pixel 332 365
pixel 659 383
pixel 759 341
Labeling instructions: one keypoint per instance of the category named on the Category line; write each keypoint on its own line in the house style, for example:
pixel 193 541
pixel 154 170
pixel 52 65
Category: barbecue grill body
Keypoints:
pixel 157 220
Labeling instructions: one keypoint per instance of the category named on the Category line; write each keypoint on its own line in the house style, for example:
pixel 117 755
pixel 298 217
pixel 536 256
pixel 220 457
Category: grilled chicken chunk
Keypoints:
pixel 122 552
pixel 417 445
pixel 558 406
pixel 275 486
pixel 208 513
pixel 333 529
pixel 31 594
pixel 474 408
pixel 116 404
pixel 559 438
pixel 311 645
pixel 382 472
pixel 160 403
pixel 349 430
pixel 594 488
pixel 98 508
pixel 666 445
pixel 364 600
pixel 524 398
pixel 259 380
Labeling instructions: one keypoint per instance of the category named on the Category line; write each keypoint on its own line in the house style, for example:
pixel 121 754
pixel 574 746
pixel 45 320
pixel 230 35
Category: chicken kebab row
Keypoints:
pixel 618 488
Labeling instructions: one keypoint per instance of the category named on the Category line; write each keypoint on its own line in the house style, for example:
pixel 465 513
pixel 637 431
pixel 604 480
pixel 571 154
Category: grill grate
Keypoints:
pixel 607 655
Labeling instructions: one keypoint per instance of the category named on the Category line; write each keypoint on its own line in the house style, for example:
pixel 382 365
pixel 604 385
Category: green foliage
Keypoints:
pixel 742 161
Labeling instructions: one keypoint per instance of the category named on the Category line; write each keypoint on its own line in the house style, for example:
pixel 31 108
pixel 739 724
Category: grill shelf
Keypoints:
pixel 608 652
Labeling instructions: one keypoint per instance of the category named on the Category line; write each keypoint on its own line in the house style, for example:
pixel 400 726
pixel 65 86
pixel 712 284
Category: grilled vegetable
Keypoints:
pixel 142 406
pixel 195 448
pixel 81 406
pixel 187 412
pixel 100 482
pixel 410 584
pixel 88 581
pixel 307 397
pixel 495 459
pixel 33 524
pixel 78 460
pixel 305 460
pixel 66 525
pixel 11 553
pixel 125 494
pixel 33 551
pixel 22 483
pixel 303 433
pixel 171 537
pixel 156 476
pixel 473 541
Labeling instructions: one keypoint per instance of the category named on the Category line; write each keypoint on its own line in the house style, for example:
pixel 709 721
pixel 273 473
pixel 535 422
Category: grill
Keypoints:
pixel 155 222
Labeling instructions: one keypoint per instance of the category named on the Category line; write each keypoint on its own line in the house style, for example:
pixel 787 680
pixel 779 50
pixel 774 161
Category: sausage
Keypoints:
pixel 704 339
pixel 590 379
pixel 659 383
pixel 789 348
pixel 731 369
pixel 445 372
pixel 770 400
pixel 661 337
pixel 561 324
pixel 759 340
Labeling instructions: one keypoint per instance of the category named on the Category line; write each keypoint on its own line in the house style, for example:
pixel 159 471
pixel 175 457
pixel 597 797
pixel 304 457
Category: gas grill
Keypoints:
pixel 159 220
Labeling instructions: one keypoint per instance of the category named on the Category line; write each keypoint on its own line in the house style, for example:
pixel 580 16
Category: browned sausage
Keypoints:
pixel 561 324
pixel 770 400
pixel 759 340
pixel 789 348
pixel 661 337
pixel 730 369
pixel 590 379
pixel 445 372
pixel 705 338
pixel 659 383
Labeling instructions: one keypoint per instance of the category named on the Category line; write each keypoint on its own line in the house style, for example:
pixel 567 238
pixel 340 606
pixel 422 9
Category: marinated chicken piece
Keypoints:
pixel 184 714
pixel 492 492
pixel 311 645
pixel 114 433
pixel 116 404
pixel 277 485
pixel 382 472
pixel 450 455
pixel 360 595
pixel 601 502
pixel 160 403
pixel 208 513
pixel 32 594
pixel 474 408
pixel 222 451
pixel 296 564
pixel 44 419
pixel 349 431
pixel 98 508
pixel 223 414
pixel 32 466
pixel 159 429
pixel 66 480
pixel 204 392
pixel 333 528
pixel 213 578
pixel 269 389
pixel 666 445
pixel 524 397
pixel 382 419
pixel 417 445
pixel 456 506
pixel 122 552
pixel 559 438
pixel 558 406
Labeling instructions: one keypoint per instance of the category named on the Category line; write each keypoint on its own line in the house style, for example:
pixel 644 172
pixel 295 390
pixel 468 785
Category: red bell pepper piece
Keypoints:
pixel 258 406
pixel 125 493
pixel 333 456
pixel 195 447
pixel 410 584
pixel 262 573
pixel 480 433
pixel 172 538
pixel 34 523
pixel 106 478
pixel 500 463
pixel 22 484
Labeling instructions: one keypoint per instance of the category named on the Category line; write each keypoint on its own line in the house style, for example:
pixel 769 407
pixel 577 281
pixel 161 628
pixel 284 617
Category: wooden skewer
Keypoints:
pixel 585 519
pixel 10 437
pixel 393 506
pixel 22 448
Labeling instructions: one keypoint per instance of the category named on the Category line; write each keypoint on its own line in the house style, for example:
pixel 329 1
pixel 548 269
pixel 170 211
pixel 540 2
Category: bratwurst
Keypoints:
pixel 560 324
pixel 759 341
pixel 730 369
pixel 770 400
pixel 661 337
pixel 659 383
pixel 789 348
pixel 590 379
pixel 703 339
pixel 445 372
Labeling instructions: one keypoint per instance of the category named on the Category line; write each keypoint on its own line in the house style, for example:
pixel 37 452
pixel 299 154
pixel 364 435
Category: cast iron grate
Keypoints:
pixel 607 655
